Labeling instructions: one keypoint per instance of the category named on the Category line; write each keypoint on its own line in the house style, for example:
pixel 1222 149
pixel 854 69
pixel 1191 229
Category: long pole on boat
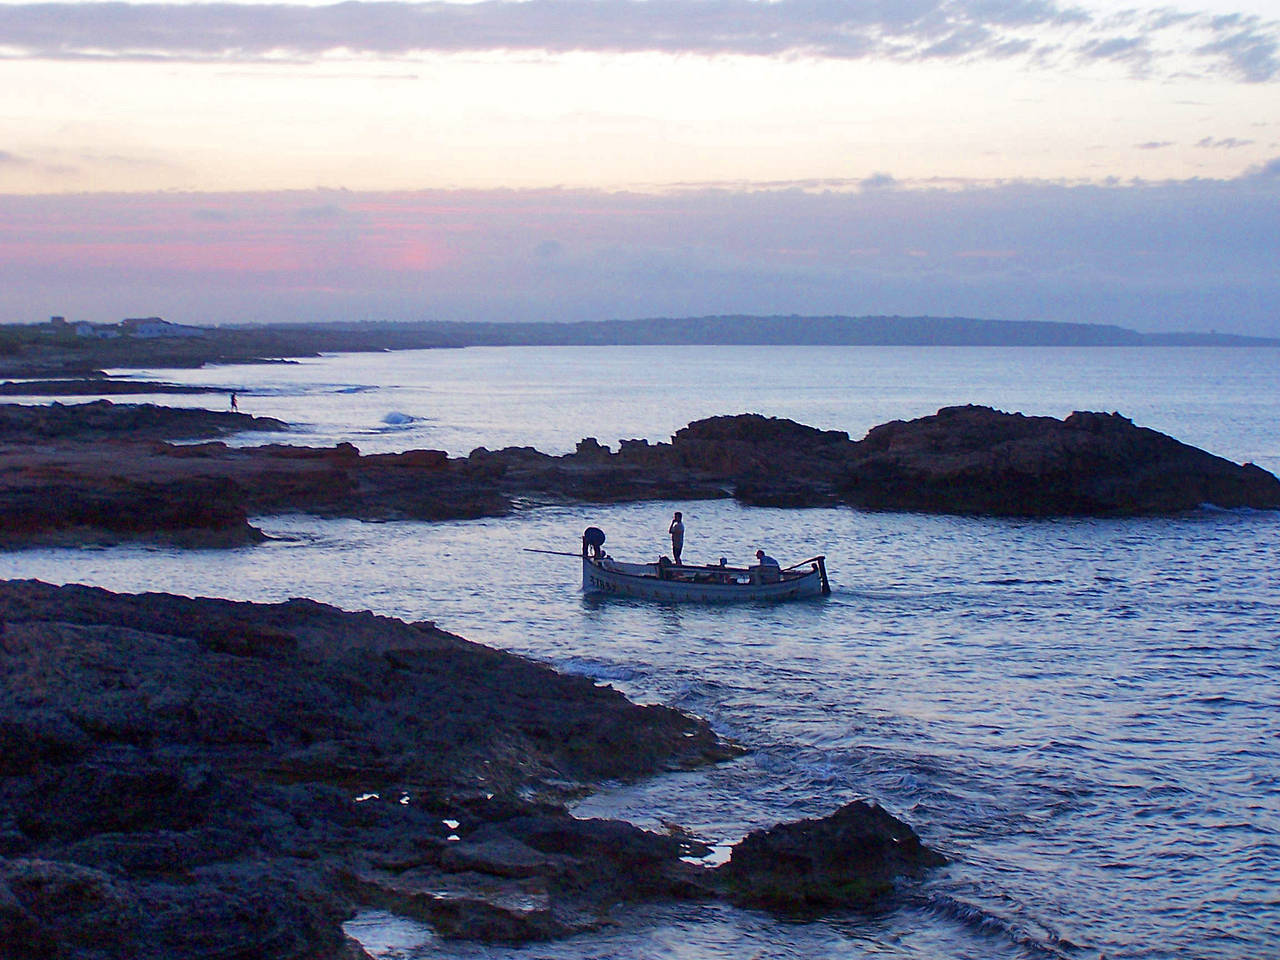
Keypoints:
pixel 818 559
pixel 557 553
pixel 820 562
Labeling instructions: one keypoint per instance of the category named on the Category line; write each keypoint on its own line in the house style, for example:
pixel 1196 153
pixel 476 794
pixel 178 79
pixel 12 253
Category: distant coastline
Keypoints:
pixel 60 349
pixel 886 331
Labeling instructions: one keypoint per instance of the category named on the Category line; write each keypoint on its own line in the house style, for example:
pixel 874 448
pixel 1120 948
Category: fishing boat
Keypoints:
pixel 719 583
pixel 704 584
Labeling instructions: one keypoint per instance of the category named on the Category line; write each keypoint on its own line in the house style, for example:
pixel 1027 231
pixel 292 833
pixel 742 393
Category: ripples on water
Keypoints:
pixel 1084 714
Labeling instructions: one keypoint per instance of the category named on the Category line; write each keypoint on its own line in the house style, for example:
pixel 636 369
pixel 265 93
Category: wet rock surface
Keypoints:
pixel 47 508
pixel 79 474
pixel 848 859
pixel 103 472
pixel 203 778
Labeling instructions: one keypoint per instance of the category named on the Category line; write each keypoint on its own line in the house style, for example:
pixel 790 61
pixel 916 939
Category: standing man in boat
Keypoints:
pixel 677 535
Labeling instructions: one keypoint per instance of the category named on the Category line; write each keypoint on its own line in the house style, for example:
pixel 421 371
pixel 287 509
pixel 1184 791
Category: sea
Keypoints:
pixel 1082 714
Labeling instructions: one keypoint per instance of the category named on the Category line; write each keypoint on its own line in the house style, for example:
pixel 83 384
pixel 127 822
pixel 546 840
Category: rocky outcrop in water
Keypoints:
pixel 103 420
pixel 979 461
pixel 96 387
pixel 45 506
pixel 202 778
pixel 79 473
pixel 100 472
pixel 848 859
pixel 968 460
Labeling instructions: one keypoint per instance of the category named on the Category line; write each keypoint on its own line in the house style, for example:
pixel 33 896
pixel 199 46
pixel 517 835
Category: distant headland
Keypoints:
pixel 61 348
pixel 877 331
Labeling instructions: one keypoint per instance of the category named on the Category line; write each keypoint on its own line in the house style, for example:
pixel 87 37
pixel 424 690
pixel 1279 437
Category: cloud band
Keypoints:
pixel 1246 48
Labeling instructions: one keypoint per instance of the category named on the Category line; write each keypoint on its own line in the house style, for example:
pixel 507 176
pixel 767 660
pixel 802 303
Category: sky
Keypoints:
pixel 1104 162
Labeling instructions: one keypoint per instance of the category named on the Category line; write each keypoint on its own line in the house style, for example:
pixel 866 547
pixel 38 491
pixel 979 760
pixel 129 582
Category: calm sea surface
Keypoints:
pixel 1083 714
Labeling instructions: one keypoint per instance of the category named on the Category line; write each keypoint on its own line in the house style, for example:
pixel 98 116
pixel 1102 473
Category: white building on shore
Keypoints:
pixel 150 328
pixel 137 328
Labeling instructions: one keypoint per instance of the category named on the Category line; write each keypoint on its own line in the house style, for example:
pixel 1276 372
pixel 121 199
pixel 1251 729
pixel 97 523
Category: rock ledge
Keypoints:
pixel 203 778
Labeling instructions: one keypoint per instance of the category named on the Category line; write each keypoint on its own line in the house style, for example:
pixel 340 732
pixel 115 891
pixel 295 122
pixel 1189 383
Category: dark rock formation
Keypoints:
pixel 79 474
pixel 593 474
pixel 962 460
pixel 115 478
pixel 203 778
pixel 102 419
pixel 47 507
pixel 847 859
pixel 981 461
pixel 104 472
pixel 95 387
pixel 755 446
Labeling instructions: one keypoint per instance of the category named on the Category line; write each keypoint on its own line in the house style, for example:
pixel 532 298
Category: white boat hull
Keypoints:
pixel 687 584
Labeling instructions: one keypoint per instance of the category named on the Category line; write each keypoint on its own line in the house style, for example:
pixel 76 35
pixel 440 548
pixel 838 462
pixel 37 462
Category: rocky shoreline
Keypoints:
pixel 104 472
pixel 204 778
pixel 97 387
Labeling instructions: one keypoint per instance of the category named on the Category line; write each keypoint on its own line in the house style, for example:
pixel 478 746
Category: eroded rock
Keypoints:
pixel 847 859
pixel 109 485
pixel 980 461
pixel 204 778
pixel 102 419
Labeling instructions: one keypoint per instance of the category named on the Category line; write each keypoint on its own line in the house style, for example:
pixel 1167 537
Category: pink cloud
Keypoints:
pixel 1181 255
pixel 236 235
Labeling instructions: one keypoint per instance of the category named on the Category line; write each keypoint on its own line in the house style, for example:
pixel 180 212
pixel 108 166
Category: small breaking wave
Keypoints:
pixel 1034 939
pixel 397 419
pixel 599 670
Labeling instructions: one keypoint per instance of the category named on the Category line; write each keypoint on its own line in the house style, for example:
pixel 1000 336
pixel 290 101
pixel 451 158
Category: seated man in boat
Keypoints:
pixel 766 570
